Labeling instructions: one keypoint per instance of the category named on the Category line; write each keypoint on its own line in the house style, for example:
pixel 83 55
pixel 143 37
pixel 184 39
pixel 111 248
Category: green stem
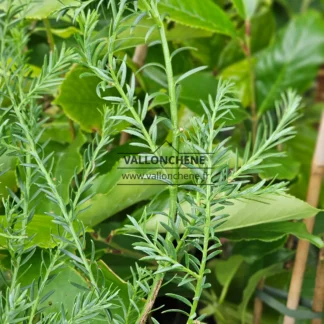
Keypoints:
pixel 201 274
pixel 49 270
pixel 49 34
pixel 60 201
pixel 175 143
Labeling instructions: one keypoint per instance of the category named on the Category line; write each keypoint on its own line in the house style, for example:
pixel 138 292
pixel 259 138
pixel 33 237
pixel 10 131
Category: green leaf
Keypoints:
pixel 125 39
pixel 274 231
pixel 205 15
pixel 62 32
pixel 67 161
pixel 246 8
pixel 41 226
pixel 67 285
pixel 252 251
pixel 274 208
pixel 226 269
pixel 240 7
pixel 41 9
pixel 79 100
pixel 319 224
pixel 284 168
pixel 114 194
pixel 262 27
pixel 244 213
pixel 252 284
pixel 57 131
pixel 198 87
pixel 111 278
pixel 292 60
pixel 8 178
pixel 240 75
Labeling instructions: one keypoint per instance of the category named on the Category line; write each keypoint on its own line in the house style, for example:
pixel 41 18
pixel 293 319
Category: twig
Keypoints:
pixel 175 138
pixel 313 193
pixel 151 299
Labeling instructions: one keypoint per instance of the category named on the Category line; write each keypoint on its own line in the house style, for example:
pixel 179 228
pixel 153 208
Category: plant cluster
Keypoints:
pixel 51 246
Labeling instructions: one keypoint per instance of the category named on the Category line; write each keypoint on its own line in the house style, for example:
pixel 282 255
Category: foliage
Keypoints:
pixel 87 236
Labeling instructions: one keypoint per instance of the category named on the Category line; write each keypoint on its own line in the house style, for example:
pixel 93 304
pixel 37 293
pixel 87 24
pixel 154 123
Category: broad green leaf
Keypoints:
pixel 226 269
pixel 58 132
pixel 292 60
pixel 8 178
pixel 246 8
pixel 274 208
pixel 121 188
pixel 239 5
pixel 62 32
pixel 274 231
pixel 262 30
pixel 252 284
pixel 198 87
pixel 41 226
pixel 63 289
pixel 112 278
pixel 137 36
pixel 113 193
pixel 284 168
pixel 263 26
pixel 67 161
pixel 210 49
pixel 244 213
pixel 204 15
pixel 240 75
pixel 79 100
pixel 41 9
pixel 319 224
pixel 255 250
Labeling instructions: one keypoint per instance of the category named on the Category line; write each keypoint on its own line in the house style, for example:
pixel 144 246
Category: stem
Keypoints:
pixel 23 235
pixel 201 274
pixel 49 34
pixel 42 286
pixel 175 143
pixel 150 300
pixel 59 199
pixel 25 218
